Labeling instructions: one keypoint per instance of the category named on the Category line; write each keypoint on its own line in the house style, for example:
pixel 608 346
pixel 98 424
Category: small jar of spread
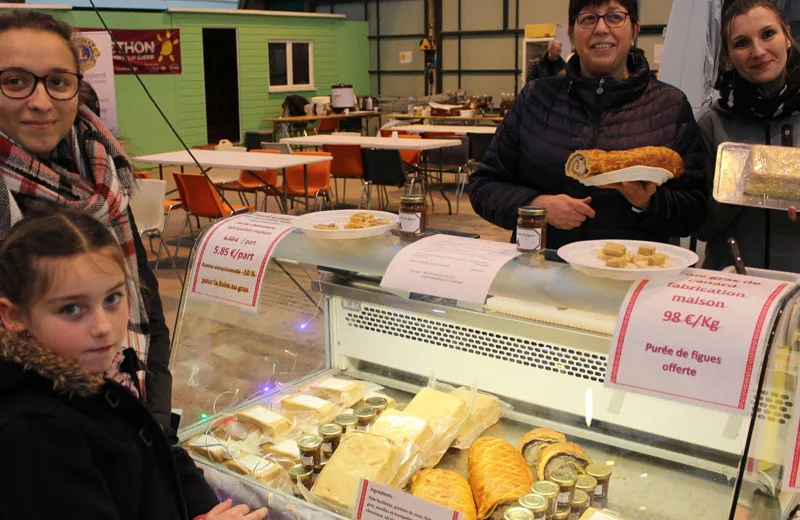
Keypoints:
pixel 536 503
pixel 549 490
pixel 364 417
pixel 347 421
pixel 586 483
pixel 331 435
pixel 379 404
pixel 579 504
pixel 517 513
pixel 531 229
pixel 565 479
pixel 562 514
pixel 301 475
pixel 413 215
pixel 310 448
pixel 601 473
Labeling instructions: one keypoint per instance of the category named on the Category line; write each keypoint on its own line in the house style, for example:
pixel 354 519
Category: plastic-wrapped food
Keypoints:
pixel 255 466
pixel 404 429
pixel 345 391
pixel 446 488
pixel 484 412
pixel 270 423
pixel 445 414
pixel 309 408
pixel 498 474
pixel 359 455
pixel 211 448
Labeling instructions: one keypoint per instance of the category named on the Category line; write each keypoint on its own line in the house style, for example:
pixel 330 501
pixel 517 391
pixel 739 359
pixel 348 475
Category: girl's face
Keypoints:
pixel 758 48
pixel 37 122
pixel 84 312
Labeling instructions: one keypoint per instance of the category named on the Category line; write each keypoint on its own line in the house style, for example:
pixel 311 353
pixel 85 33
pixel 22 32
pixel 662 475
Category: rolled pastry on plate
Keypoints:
pixel 562 455
pixel 498 474
pixel 582 164
pixel 446 488
pixel 536 440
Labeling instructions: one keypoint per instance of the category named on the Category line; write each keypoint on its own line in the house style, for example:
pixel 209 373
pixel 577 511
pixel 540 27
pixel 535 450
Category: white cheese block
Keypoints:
pixel 211 447
pixel 359 455
pixel 484 413
pixel 344 391
pixel 445 414
pixel 302 406
pixel 411 434
pixel 255 466
pixel 285 452
pixel 269 422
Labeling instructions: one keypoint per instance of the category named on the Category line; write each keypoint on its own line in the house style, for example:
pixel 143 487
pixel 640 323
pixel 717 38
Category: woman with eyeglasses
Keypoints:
pixel 607 100
pixel 759 103
pixel 55 152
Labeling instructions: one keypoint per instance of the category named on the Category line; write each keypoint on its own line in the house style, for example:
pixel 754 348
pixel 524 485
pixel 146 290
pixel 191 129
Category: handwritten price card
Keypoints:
pixel 233 257
pixel 377 502
pixel 696 338
pixel 449 267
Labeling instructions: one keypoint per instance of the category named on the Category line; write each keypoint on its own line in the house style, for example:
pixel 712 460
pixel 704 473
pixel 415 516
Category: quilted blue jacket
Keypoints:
pixel 554 116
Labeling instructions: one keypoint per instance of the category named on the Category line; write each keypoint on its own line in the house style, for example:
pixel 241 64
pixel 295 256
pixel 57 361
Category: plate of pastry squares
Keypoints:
pixel 656 164
pixel 627 259
pixel 346 223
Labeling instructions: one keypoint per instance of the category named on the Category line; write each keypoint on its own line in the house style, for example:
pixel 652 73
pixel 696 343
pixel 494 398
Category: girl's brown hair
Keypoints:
pixel 742 7
pixel 43 236
pixel 37 20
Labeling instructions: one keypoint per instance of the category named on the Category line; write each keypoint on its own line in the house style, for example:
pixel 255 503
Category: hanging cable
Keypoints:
pixel 155 104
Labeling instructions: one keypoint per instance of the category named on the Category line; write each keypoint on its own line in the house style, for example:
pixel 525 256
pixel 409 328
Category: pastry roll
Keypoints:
pixel 562 455
pixel 498 474
pixel 588 163
pixel 359 455
pixel 536 440
pixel 446 488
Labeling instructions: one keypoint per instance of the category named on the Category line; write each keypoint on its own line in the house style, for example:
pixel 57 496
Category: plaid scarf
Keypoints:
pixel 89 173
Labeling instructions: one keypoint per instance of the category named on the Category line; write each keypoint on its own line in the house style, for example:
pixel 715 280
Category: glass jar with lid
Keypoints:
pixel 536 503
pixel 531 229
pixel 413 215
pixel 565 479
pixel 549 490
pixel 579 504
pixel 601 473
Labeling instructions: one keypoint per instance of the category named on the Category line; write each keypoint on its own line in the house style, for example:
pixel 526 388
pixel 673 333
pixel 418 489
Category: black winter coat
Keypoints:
pixel 552 117
pixel 544 67
pixel 81 447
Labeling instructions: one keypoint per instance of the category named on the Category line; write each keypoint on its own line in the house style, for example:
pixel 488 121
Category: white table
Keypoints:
pixel 457 129
pixel 389 143
pixel 372 142
pixel 238 160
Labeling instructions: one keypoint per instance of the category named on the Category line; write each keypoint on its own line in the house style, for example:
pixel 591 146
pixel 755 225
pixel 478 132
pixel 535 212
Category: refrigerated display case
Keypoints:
pixel 540 343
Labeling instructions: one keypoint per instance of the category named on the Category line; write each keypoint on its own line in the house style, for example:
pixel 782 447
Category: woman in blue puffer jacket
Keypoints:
pixel 608 100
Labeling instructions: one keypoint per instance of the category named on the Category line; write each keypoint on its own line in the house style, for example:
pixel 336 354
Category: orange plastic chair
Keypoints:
pixel 255 182
pixel 328 125
pixel 387 132
pixel 411 158
pixel 141 175
pixel 346 164
pixel 200 199
pixel 319 180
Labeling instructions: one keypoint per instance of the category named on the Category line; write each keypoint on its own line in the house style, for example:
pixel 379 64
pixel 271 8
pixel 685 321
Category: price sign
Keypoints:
pixel 377 502
pixel 233 257
pixel 696 338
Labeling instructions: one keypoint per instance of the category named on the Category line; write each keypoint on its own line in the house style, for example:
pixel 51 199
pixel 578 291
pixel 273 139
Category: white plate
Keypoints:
pixel 582 256
pixel 342 216
pixel 634 173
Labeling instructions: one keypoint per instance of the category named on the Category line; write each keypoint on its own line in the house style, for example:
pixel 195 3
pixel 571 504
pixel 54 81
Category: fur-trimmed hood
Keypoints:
pixel 23 360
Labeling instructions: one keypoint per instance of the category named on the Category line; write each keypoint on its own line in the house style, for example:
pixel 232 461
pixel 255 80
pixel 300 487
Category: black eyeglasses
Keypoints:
pixel 20 83
pixel 614 19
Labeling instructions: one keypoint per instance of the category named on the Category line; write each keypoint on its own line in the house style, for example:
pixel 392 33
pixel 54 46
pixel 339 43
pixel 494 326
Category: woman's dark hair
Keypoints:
pixel 741 7
pixel 48 234
pixel 37 20
pixel 575 7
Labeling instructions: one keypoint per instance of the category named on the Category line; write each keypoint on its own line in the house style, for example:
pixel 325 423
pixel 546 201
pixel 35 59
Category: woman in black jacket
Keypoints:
pixel 56 152
pixel 78 444
pixel 607 101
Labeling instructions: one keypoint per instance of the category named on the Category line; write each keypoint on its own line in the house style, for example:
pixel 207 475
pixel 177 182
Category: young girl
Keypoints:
pixel 759 104
pixel 77 445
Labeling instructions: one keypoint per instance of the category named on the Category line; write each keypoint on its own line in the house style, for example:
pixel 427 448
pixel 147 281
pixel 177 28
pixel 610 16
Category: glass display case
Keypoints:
pixel 540 343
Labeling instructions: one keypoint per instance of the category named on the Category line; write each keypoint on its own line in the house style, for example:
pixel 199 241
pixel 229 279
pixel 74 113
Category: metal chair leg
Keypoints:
pixel 180 234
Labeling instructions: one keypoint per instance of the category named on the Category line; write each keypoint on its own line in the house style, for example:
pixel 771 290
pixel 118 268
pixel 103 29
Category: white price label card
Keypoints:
pixel 232 259
pixel 697 338
pixel 377 502
pixel 448 267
